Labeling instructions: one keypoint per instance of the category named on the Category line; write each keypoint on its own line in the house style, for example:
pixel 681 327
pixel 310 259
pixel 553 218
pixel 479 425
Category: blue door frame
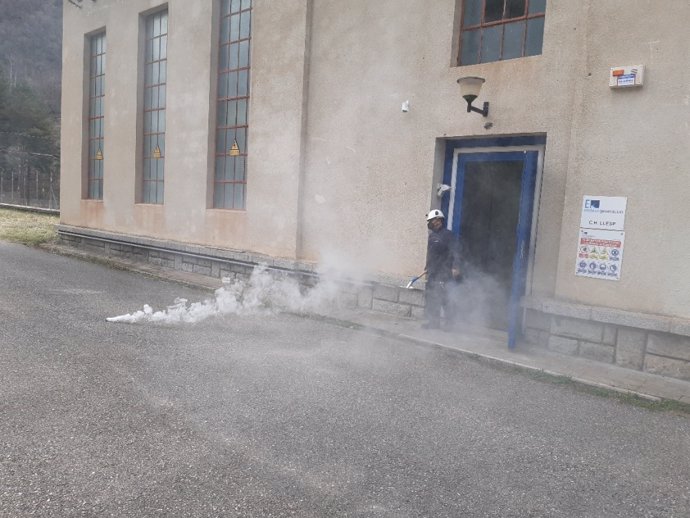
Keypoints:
pixel 524 225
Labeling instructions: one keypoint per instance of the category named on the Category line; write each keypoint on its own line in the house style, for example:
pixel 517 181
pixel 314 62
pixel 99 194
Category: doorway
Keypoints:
pixel 490 208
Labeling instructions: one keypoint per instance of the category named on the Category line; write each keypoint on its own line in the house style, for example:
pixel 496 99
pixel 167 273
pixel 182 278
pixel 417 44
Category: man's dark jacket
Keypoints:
pixel 442 255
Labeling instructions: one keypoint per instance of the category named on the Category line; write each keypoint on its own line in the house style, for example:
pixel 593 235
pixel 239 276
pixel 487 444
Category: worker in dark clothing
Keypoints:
pixel 442 269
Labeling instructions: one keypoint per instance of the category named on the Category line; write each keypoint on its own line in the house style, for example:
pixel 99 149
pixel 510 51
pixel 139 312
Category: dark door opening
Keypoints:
pixel 490 207
pixel 491 211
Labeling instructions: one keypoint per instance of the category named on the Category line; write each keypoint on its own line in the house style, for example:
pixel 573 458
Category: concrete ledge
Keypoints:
pixel 25 208
pixel 636 341
pixel 680 326
pixel 165 245
pixel 671 346
pixel 619 317
pixel 631 319
pixel 214 253
pixel 386 293
pixel 413 297
pixel 667 367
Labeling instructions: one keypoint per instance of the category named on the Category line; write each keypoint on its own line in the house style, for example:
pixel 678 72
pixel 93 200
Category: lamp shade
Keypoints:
pixel 470 87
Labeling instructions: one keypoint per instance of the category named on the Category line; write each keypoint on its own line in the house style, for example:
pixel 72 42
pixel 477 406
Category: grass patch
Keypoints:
pixel 28 228
pixel 665 405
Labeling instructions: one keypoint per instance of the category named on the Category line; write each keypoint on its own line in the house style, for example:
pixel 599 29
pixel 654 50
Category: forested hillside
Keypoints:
pixel 30 46
pixel 30 66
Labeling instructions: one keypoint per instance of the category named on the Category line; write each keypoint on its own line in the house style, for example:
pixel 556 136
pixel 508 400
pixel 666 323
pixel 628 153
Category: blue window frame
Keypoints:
pixel 473 150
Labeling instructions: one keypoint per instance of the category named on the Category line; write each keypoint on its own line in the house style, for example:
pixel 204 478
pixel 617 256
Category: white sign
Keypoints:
pixel 626 80
pixel 600 254
pixel 626 77
pixel 603 212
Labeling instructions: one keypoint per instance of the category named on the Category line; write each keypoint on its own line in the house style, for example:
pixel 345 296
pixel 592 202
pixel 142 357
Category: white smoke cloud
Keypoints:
pixel 475 301
pixel 480 300
pixel 263 291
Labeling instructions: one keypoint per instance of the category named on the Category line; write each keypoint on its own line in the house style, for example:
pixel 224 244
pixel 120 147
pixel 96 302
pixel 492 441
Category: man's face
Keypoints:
pixel 435 224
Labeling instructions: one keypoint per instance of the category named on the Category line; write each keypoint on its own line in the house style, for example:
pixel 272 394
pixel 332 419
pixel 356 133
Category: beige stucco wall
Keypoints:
pixel 634 143
pixel 187 115
pixel 336 171
pixel 269 225
pixel 371 161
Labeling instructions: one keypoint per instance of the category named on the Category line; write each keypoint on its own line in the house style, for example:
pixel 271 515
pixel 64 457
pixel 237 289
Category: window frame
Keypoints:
pixel 230 171
pixel 95 131
pixel 152 187
pixel 502 22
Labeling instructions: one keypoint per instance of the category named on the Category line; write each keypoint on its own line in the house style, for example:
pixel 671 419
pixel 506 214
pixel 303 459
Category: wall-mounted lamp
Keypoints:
pixel 469 89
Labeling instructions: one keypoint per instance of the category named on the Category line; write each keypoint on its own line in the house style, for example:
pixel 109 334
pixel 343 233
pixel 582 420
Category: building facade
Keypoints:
pixel 312 131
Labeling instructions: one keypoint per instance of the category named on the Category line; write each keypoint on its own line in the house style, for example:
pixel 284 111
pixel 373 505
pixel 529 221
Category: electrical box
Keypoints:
pixel 627 77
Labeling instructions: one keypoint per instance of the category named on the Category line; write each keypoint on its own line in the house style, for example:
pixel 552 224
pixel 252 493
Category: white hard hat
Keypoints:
pixel 435 214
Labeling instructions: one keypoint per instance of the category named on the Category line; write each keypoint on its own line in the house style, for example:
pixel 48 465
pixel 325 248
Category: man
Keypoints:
pixel 442 268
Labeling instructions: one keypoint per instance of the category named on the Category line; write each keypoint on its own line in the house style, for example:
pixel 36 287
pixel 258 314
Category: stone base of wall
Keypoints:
pixel 383 295
pixel 652 343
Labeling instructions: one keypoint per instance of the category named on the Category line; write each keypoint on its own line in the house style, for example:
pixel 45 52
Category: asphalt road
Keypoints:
pixel 276 415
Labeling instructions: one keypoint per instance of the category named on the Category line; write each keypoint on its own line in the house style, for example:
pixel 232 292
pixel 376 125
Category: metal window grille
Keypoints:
pixel 96 148
pixel 230 179
pixel 495 30
pixel 155 78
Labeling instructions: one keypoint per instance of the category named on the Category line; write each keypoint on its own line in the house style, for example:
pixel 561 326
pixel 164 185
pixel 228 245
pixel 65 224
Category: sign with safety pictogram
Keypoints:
pixel 600 254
